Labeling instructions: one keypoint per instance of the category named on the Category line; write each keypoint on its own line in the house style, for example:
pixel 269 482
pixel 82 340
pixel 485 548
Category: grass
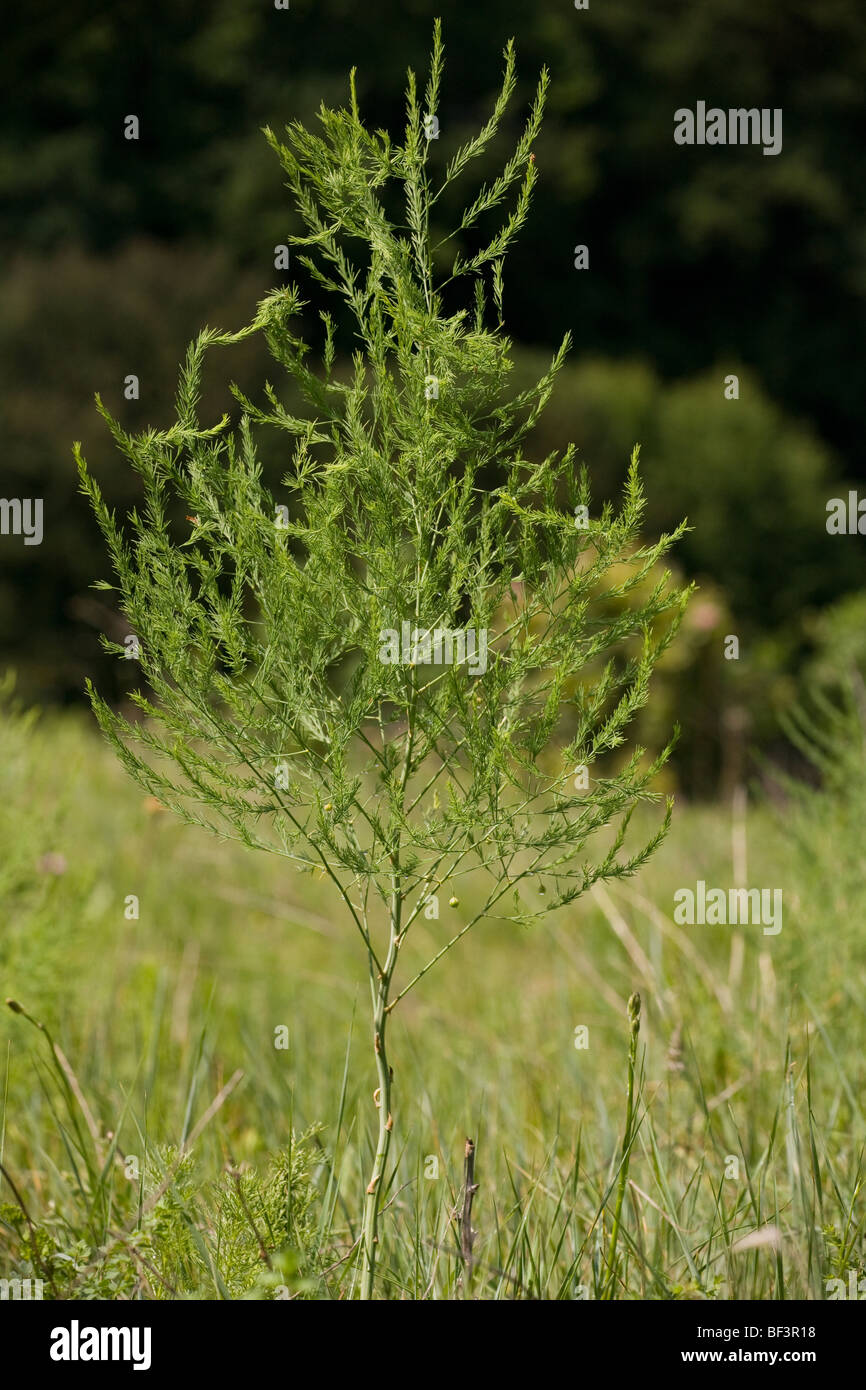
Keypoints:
pixel 164 1147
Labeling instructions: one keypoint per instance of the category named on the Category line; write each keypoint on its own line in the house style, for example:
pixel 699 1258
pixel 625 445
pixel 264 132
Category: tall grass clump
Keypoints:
pixel 397 662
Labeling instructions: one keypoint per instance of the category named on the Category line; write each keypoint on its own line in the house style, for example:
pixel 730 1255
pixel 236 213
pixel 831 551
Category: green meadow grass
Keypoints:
pixel 157 1144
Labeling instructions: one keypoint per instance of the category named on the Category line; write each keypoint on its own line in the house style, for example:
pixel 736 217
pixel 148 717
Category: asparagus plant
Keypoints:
pixel 411 656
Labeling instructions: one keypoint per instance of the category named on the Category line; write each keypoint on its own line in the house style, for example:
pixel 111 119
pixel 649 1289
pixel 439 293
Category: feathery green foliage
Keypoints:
pixel 281 715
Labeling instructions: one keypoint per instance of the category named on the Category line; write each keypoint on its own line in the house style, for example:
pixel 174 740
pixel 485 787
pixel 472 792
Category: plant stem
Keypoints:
pixel 381 987
pixel 372 1198
pixel 467 1235
pixel 634 1027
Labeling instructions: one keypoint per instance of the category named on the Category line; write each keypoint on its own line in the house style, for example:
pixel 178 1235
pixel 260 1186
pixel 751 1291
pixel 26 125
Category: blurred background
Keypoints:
pixel 702 263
